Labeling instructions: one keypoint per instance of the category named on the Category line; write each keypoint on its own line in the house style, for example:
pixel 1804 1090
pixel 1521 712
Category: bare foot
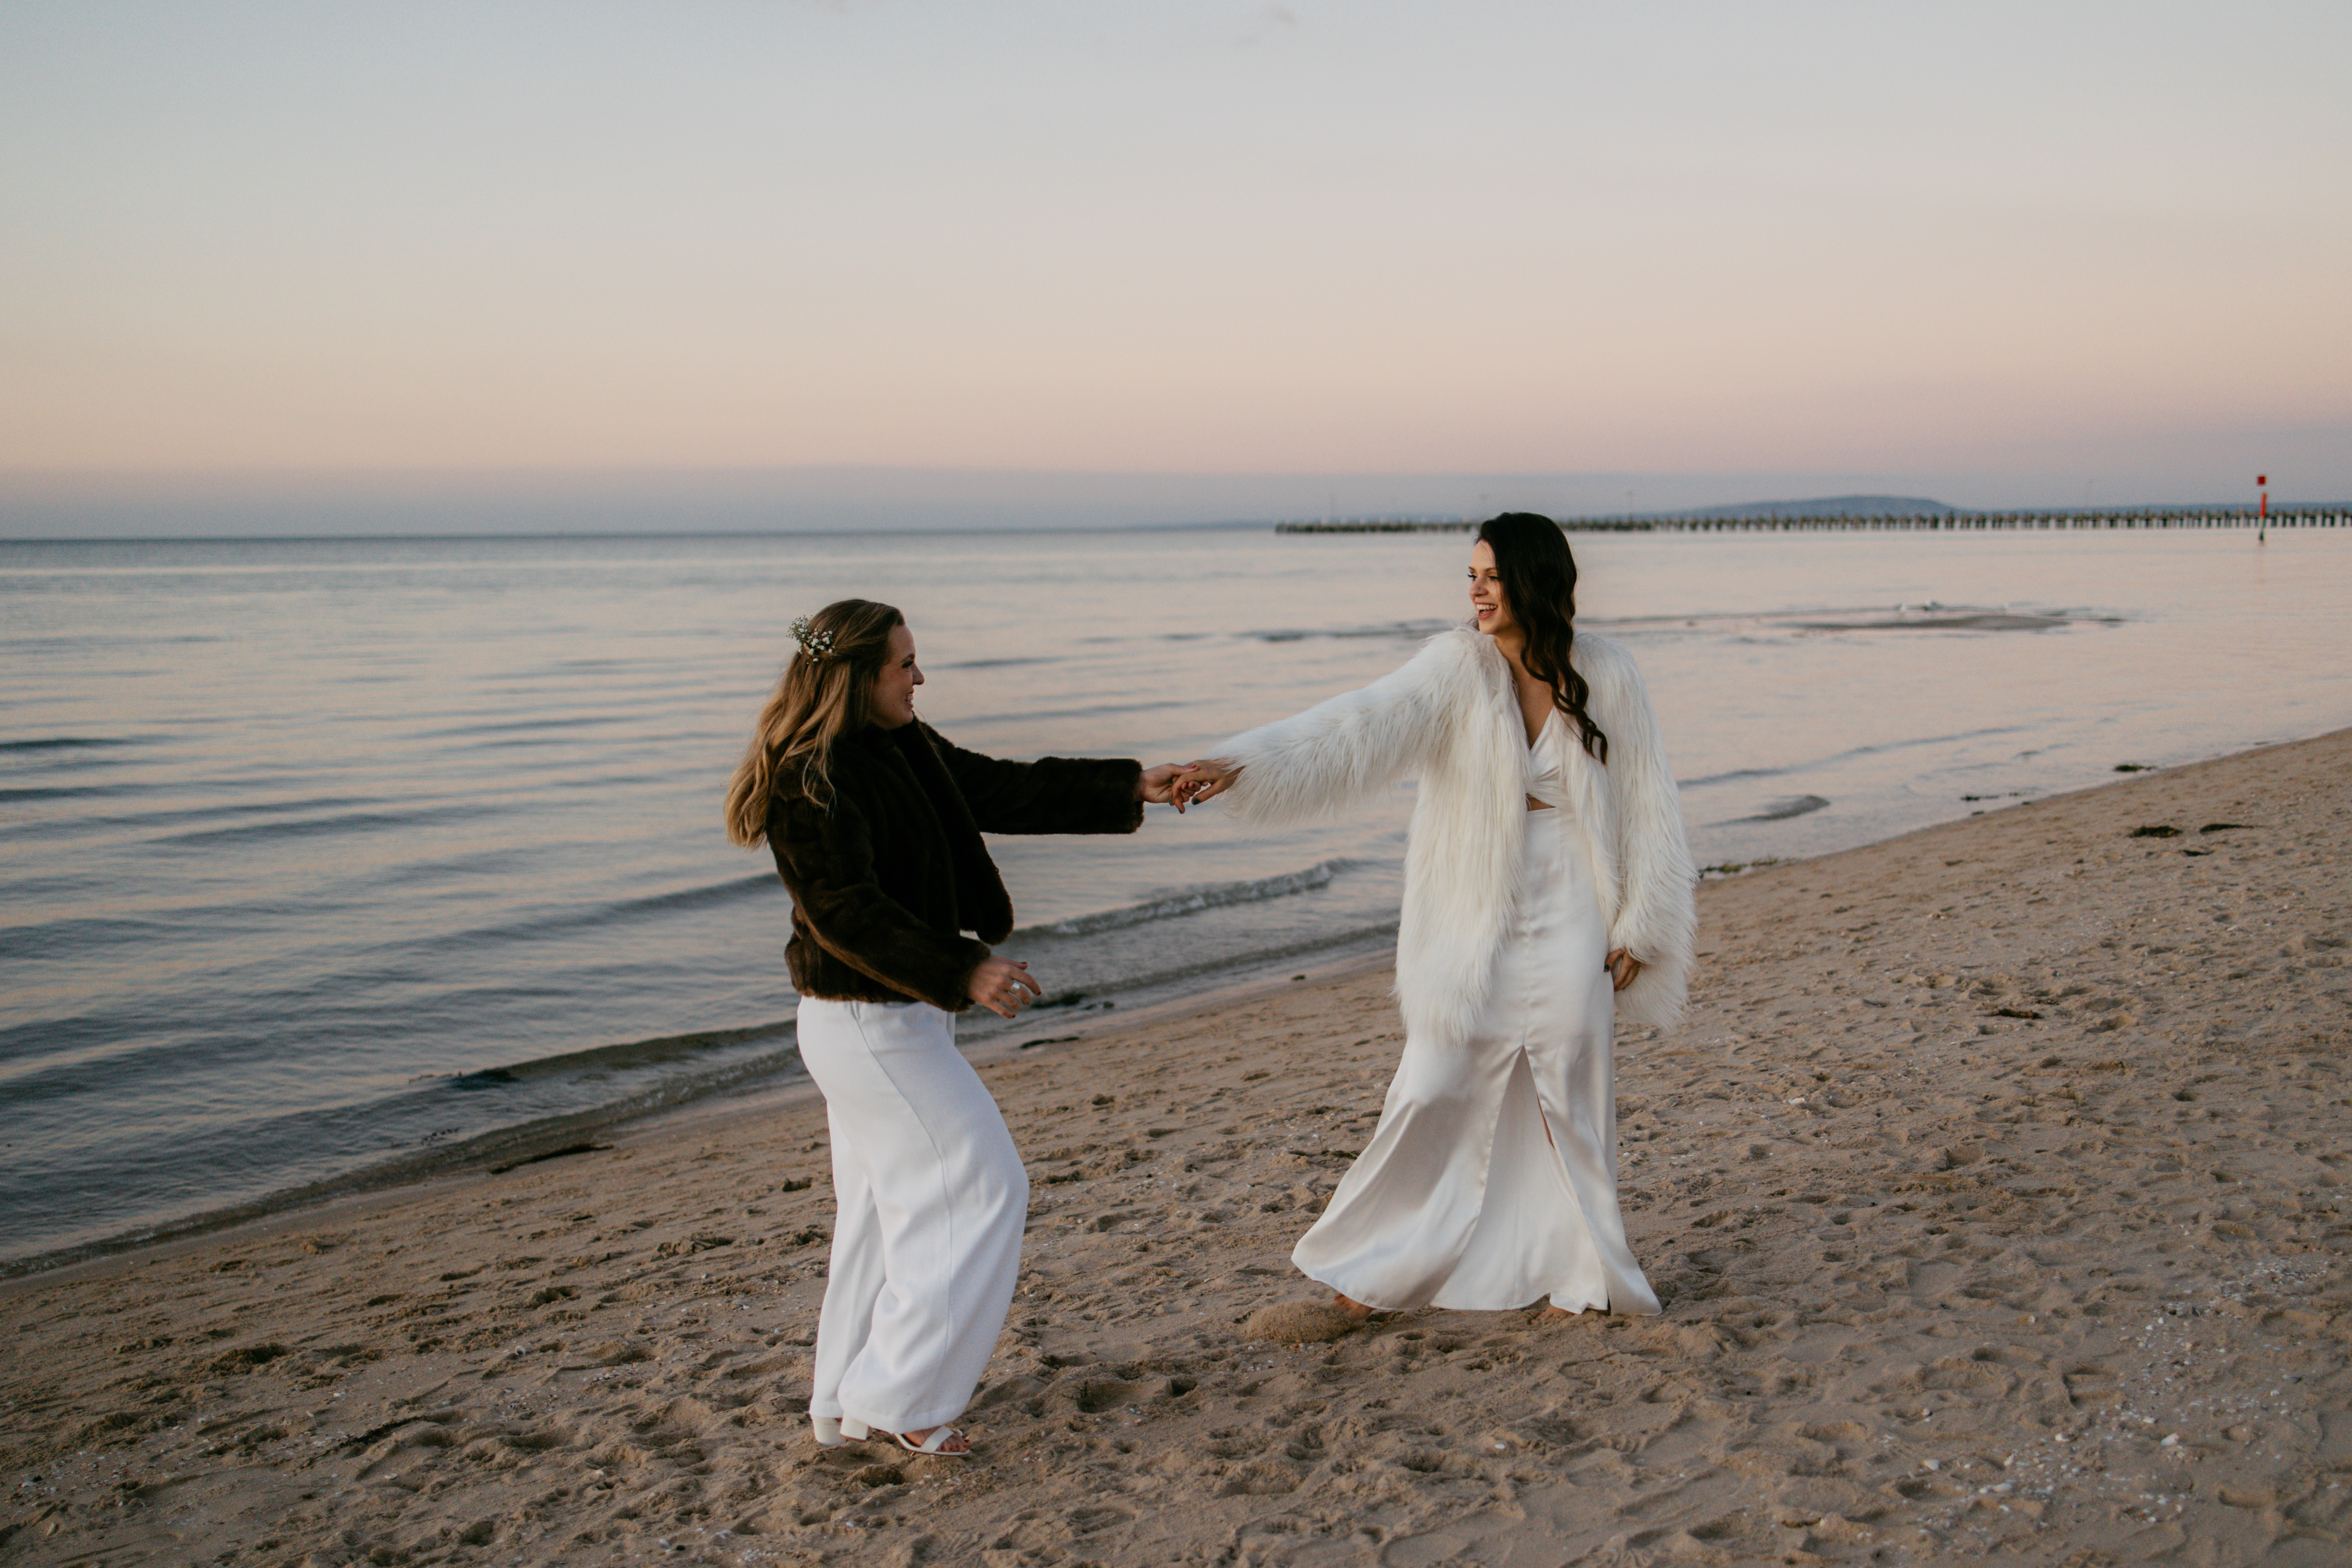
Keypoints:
pixel 955 1445
pixel 1350 1305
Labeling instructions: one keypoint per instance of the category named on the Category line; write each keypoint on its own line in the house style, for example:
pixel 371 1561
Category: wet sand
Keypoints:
pixel 1995 1189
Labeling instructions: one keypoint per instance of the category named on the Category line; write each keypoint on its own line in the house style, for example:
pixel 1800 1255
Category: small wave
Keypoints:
pixel 690 898
pixel 72 936
pixel 373 1165
pixel 1928 616
pixel 1194 900
pixel 970 721
pixel 1189 976
pixel 626 1056
pixel 68 743
pixel 313 827
pixel 1978 621
pixel 615 913
pixel 1781 810
pixel 524 726
pixel 1909 744
pixel 147 821
pixel 71 792
pixel 1392 630
pixel 1914 742
pixel 1732 776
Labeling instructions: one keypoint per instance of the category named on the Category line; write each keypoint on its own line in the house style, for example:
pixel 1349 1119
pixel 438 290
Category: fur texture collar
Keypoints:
pixel 1451 717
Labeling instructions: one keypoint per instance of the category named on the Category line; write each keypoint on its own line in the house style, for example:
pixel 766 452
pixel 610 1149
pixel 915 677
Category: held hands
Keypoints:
pixel 1166 785
pixel 1002 985
pixel 1206 780
pixel 1180 784
pixel 1623 966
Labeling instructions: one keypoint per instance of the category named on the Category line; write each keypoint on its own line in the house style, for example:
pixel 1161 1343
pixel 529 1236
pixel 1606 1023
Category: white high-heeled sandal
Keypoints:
pixel 833 1431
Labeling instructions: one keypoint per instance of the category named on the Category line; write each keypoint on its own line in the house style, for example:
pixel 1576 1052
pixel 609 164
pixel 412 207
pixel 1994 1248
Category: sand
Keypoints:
pixel 1995 1190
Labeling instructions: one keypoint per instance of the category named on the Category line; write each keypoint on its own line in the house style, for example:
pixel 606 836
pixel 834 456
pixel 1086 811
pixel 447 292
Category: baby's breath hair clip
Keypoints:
pixel 815 645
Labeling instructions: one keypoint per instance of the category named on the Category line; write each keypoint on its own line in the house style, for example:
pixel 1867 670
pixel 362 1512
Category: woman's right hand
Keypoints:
pixel 999 985
pixel 1211 777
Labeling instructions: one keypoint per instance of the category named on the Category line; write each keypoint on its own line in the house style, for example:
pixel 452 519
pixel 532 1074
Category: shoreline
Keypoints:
pixel 358 1193
pixel 738 1091
pixel 717 1090
pixel 496 1149
pixel 1995 1189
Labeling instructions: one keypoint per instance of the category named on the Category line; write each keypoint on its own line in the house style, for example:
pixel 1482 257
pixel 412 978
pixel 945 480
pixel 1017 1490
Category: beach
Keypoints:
pixel 1994 1189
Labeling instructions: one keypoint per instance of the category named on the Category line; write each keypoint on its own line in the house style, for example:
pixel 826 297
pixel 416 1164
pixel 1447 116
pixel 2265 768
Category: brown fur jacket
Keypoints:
pixel 887 878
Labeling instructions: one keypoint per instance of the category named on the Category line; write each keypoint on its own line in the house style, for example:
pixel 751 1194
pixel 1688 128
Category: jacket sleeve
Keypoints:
pixel 1052 794
pixel 826 859
pixel 1347 748
pixel 1657 910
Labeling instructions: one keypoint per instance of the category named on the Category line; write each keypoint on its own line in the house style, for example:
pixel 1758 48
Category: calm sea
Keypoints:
pixel 327 861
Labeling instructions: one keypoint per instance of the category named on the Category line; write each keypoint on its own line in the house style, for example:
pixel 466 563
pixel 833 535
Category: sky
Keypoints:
pixel 1209 257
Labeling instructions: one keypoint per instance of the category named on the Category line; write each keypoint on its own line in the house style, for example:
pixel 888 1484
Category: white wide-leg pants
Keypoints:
pixel 931 1201
pixel 1491 1180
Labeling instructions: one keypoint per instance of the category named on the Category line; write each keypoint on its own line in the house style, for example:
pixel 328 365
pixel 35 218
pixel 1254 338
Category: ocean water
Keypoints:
pixel 322 861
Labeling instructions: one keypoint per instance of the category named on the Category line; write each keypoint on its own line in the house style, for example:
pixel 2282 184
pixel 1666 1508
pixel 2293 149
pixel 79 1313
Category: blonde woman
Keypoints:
pixel 1546 878
pixel 875 821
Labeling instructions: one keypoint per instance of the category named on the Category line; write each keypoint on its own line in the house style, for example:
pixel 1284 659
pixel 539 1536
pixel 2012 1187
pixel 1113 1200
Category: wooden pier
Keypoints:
pixel 2334 514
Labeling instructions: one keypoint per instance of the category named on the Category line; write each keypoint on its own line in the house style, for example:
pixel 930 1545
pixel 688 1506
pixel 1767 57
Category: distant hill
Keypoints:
pixel 1831 506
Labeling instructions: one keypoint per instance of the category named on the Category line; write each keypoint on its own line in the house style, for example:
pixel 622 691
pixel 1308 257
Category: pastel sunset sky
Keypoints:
pixel 2005 253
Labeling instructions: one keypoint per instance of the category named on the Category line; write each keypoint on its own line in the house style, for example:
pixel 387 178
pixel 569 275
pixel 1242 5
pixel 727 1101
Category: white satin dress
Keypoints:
pixel 1491 1180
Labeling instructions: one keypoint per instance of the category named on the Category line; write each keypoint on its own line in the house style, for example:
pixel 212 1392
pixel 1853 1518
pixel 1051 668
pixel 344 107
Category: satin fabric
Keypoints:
pixel 1491 1180
pixel 929 1203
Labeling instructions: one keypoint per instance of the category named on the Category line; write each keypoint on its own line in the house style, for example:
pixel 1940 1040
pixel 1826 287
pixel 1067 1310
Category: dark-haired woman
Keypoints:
pixel 1548 890
pixel 875 820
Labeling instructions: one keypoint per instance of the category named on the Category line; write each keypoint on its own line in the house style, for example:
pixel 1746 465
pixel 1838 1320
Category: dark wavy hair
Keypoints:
pixel 1539 574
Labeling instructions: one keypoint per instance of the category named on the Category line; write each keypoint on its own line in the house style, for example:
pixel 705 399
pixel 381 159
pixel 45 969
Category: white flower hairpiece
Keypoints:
pixel 815 645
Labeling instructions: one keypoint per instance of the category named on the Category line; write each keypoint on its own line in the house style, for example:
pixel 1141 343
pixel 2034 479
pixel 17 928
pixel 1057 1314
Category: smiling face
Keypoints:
pixel 891 702
pixel 1488 601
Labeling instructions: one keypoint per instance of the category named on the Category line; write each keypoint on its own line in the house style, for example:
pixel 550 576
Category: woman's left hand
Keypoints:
pixel 1160 785
pixel 1621 966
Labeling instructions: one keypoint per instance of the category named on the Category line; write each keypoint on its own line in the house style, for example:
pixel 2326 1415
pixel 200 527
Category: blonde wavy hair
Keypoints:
pixel 822 695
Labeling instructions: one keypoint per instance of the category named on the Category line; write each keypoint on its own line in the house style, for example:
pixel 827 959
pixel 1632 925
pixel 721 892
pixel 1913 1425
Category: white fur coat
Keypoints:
pixel 1451 716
